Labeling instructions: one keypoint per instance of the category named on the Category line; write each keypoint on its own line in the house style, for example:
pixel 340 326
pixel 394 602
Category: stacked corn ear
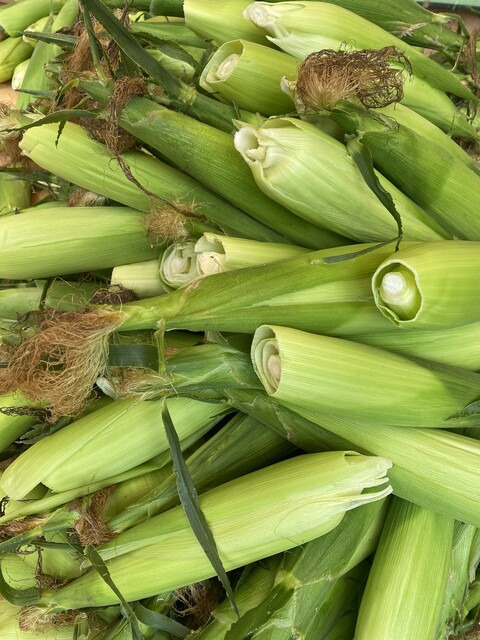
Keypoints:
pixel 250 424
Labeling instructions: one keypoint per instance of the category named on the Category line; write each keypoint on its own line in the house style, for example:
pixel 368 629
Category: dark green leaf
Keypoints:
pixel 189 499
pixel 131 47
pixel 58 116
pixel 159 621
pixel 471 409
pixel 133 355
pixel 364 161
pixel 60 39
pixel 101 568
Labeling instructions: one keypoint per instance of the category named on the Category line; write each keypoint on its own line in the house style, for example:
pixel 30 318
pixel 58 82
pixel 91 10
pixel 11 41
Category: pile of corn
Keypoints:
pixel 240 328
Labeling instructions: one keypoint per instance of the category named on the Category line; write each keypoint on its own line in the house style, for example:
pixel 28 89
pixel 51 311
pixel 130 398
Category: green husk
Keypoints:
pixel 209 155
pixel 13 51
pixel 405 20
pixel 297 292
pixel 216 253
pixel 14 193
pixel 238 69
pixel 39 26
pixel 434 469
pixel 418 166
pixel 171 31
pixel 18 16
pixel 19 74
pixel 241 446
pixel 221 20
pixel 430 286
pixel 346 379
pixel 422 126
pixel 143 278
pixel 291 502
pixel 300 28
pixel 407 582
pixel 71 240
pixel 318 583
pixel 100 445
pixel 463 563
pixel 313 174
pixel 457 346
pixel 183 202
pixel 9 621
pixel 37 78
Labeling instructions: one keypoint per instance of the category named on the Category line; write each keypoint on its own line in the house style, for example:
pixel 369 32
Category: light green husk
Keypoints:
pixel 167 30
pixel 209 155
pixel 406 20
pixel 90 165
pixel 346 379
pixel 216 253
pixel 457 346
pixel 221 20
pixel 426 172
pixel 36 77
pixel 313 174
pixel 239 68
pixel 13 51
pixel 178 266
pixel 463 564
pixel 422 126
pixel 300 28
pixel 102 444
pixel 297 292
pixel 14 193
pixel 430 286
pixel 19 16
pixel 407 582
pixel 432 468
pixel 241 446
pixel 290 503
pixel 71 240
pixel 177 66
pixel 318 583
pixel 9 624
pixel 141 277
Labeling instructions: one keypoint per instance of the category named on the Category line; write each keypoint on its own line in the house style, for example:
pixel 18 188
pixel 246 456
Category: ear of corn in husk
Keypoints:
pixel 303 27
pixel 15 19
pixel 296 292
pixel 320 372
pixel 178 198
pixel 143 278
pixel 71 240
pixel 223 457
pixel 308 171
pixel 209 155
pixel 13 51
pixel 19 74
pixel 82 452
pixel 430 286
pixel 37 79
pixel 221 20
pixel 10 620
pixel 14 193
pixel 417 165
pixel 238 68
pixel 216 253
pixel 407 21
pixel 291 502
pixel 406 585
